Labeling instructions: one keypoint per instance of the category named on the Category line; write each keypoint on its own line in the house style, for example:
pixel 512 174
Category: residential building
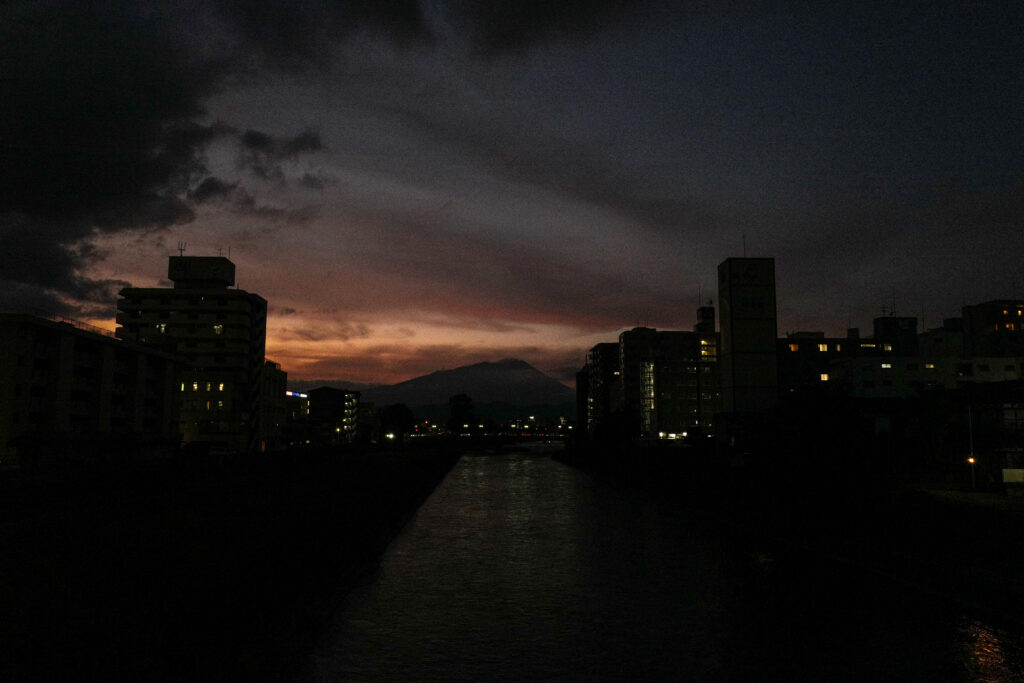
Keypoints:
pixel 994 329
pixel 221 331
pixel 334 415
pixel 72 391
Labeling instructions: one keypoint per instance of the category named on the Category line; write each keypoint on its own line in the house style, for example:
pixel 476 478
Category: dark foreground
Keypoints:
pixel 173 573
pixel 964 546
pixel 519 568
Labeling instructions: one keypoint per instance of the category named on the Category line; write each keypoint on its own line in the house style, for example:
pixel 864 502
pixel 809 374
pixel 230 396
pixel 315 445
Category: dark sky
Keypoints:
pixel 415 186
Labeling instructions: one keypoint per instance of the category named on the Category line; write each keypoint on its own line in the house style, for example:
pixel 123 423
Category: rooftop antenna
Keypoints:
pixel 220 251
pixel 181 248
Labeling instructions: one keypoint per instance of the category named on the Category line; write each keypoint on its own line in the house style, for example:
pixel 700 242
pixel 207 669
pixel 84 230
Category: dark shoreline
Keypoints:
pixel 966 547
pixel 171 572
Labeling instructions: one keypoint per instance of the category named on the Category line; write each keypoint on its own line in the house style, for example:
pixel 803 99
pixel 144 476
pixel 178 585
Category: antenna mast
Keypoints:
pixel 181 248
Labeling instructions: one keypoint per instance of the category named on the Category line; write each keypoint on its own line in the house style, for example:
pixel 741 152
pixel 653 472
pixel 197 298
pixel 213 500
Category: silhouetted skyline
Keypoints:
pixel 417 186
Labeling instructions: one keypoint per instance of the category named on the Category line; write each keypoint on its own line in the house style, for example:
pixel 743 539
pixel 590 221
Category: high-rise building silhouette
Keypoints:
pixel 747 322
pixel 222 332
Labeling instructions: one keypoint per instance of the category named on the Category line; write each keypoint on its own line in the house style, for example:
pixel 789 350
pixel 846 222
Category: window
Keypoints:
pixel 195 386
pixel 839 347
pixel 794 347
pixel 887 347
pixel 887 366
pixel 220 387
pixel 208 386
pixel 929 366
pixel 824 377
pixel 183 386
pixel 823 347
pixel 218 329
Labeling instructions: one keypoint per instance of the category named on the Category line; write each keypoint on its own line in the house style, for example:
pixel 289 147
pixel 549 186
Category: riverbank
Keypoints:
pixel 964 546
pixel 168 572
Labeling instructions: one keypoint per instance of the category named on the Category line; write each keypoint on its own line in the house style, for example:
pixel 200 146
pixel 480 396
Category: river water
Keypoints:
pixel 520 568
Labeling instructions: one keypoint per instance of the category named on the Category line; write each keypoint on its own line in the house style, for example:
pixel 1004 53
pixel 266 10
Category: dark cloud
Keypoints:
pixel 211 188
pixel 263 154
pixel 293 34
pixel 245 204
pixel 103 106
pixel 499 26
pixel 313 182
pixel 325 332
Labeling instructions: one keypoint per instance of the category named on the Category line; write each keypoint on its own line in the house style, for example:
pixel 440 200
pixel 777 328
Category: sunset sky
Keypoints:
pixel 417 186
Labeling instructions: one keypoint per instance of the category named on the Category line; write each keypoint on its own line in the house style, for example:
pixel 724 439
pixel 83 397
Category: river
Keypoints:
pixel 520 568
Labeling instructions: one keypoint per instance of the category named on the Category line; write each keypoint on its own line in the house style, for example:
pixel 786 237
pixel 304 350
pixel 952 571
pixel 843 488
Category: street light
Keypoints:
pixel 970 461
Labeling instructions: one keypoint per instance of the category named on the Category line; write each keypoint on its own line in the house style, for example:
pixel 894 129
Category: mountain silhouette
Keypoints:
pixel 511 382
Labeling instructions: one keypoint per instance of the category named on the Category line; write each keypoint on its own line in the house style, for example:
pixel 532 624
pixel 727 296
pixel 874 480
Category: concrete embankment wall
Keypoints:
pixel 168 572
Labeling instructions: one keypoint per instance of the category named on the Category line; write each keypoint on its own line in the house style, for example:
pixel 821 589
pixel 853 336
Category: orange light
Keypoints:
pixel 970 460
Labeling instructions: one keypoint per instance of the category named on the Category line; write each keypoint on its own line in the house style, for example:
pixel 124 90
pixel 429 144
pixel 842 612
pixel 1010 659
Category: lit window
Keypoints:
pixel 195 386
pixel 824 377
pixel 867 346
pixel 220 387
pixel 794 347
pixel 208 386
pixel 183 386
pixel 823 347
pixel 207 405
pixel 929 366
pixel 1006 312
pixel 218 329
pixel 839 347
pixel 1009 326
pixel 887 347
pixel 220 404
pixel 162 327
pixel 886 366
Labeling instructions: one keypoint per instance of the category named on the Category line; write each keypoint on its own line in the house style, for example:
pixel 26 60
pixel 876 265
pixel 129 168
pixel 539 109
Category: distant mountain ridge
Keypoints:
pixel 499 390
pixel 510 381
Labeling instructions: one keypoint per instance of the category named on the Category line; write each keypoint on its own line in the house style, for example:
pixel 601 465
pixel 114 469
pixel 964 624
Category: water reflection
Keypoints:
pixel 987 659
pixel 519 568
